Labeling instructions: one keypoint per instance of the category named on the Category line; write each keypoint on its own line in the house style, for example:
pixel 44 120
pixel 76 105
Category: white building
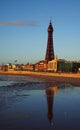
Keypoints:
pixel 52 65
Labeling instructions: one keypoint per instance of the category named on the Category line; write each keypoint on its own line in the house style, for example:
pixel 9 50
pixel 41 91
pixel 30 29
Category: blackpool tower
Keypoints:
pixel 50 51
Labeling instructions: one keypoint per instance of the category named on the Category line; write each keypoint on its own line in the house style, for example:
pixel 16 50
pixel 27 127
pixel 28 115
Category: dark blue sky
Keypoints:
pixel 23 29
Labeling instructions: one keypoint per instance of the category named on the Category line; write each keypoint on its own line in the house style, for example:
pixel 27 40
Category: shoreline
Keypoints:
pixel 56 78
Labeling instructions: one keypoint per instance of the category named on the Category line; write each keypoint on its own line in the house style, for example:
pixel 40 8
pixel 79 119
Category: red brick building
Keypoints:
pixel 41 66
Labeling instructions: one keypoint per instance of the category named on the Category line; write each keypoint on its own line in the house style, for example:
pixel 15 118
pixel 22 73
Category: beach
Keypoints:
pixel 39 100
pixel 56 78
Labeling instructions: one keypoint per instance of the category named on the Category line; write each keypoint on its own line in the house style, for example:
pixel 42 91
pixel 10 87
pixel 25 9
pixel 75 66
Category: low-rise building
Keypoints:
pixel 41 66
pixel 28 67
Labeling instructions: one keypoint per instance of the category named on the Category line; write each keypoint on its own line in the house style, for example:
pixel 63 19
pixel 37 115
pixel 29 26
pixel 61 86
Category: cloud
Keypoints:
pixel 19 23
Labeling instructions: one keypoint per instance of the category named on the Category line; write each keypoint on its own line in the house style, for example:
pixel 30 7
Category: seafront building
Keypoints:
pixel 68 66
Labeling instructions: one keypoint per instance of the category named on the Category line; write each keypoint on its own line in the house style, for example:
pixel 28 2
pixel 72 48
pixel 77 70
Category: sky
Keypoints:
pixel 23 29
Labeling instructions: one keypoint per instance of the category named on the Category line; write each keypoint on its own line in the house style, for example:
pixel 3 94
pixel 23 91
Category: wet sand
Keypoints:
pixel 56 78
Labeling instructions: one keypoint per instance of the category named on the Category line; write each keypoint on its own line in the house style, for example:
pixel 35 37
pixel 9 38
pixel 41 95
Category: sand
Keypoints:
pixel 56 78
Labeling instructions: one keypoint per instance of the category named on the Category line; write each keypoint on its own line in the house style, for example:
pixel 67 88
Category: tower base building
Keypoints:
pixel 52 65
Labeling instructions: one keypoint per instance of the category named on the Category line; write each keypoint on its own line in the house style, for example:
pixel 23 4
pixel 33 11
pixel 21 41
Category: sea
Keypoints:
pixel 28 103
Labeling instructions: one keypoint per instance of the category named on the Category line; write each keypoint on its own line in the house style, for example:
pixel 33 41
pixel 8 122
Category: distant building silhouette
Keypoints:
pixel 50 51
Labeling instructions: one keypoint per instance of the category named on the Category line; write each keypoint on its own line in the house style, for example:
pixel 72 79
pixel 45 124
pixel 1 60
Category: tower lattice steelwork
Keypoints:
pixel 50 51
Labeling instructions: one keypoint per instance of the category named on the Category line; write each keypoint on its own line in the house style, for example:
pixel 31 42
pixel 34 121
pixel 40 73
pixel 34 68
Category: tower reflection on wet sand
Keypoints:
pixel 50 92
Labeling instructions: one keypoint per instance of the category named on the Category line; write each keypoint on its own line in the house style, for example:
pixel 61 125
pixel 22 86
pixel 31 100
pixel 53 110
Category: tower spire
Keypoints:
pixel 50 19
pixel 50 51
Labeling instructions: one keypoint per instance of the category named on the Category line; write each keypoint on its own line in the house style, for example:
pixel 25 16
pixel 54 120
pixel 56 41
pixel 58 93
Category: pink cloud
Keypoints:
pixel 19 23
